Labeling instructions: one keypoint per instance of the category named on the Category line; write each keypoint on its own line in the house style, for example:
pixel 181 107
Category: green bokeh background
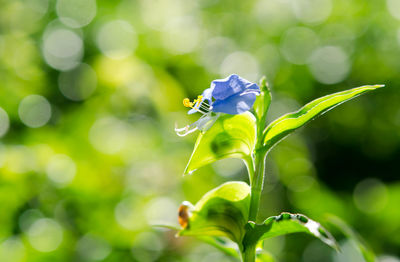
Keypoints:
pixel 91 160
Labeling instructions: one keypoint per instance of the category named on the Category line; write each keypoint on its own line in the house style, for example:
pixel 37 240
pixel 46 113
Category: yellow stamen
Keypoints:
pixel 198 100
pixel 187 103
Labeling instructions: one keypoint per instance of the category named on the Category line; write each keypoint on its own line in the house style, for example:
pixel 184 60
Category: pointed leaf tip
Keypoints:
pixel 286 124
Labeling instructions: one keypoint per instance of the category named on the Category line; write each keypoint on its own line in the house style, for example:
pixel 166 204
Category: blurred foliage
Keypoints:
pixel 90 92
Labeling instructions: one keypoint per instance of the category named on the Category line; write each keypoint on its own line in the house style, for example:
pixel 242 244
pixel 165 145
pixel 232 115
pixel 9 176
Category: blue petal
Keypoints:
pixel 236 104
pixel 232 85
pixel 207 95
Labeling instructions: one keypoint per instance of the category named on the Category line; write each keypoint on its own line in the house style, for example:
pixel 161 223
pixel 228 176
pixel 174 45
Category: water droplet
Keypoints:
pixel 302 218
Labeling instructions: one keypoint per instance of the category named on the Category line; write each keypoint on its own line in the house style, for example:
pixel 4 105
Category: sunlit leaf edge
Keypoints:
pixel 272 134
pixel 287 223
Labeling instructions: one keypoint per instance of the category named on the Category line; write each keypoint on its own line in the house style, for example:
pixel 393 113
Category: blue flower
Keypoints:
pixel 232 95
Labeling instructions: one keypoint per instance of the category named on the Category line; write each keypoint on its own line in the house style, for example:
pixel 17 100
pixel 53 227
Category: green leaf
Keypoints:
pixel 366 252
pixel 217 242
pixel 231 136
pixel 288 123
pixel 264 256
pixel 223 211
pixel 263 101
pixel 221 245
pixel 287 223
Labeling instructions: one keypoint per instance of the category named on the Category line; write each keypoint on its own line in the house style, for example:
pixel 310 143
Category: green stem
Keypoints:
pixel 250 168
pixel 257 184
pixel 260 153
pixel 249 254
pixel 256 168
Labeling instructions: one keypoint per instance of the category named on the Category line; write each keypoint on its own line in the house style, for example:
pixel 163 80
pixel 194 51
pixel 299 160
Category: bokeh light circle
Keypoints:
pixel 116 39
pixel 214 51
pixel 76 13
pixel 62 49
pixel 312 11
pixel 274 16
pixel 329 65
pixel 370 196
pixel 29 217
pixel 12 250
pixel 159 211
pixel 61 169
pixel 181 35
pixel 128 213
pixel 393 7
pixel 147 246
pixel 93 248
pixel 298 44
pixel 301 183
pixel 340 35
pixel 109 135
pixel 20 159
pixel 4 122
pixel 125 214
pixel 155 14
pixel 39 7
pixel 79 83
pixel 34 111
pixel 45 235
pixel 241 63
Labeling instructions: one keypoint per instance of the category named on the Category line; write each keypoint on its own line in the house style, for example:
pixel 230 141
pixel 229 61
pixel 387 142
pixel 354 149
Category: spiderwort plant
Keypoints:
pixel 229 130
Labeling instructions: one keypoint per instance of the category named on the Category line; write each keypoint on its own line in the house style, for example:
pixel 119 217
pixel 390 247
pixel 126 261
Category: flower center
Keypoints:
pixel 198 104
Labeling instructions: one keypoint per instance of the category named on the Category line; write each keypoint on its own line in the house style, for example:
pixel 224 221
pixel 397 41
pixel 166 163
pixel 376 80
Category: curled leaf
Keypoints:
pixel 222 211
pixel 231 136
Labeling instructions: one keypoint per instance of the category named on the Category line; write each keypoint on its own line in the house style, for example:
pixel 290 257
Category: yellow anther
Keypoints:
pixel 198 100
pixel 195 104
pixel 187 103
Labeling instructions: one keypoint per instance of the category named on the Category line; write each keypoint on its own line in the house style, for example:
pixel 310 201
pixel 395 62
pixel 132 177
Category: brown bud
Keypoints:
pixel 184 214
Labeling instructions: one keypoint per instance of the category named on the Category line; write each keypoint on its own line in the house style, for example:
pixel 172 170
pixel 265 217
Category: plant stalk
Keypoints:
pixel 257 181
pixel 249 254
pixel 257 168
pixel 257 184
